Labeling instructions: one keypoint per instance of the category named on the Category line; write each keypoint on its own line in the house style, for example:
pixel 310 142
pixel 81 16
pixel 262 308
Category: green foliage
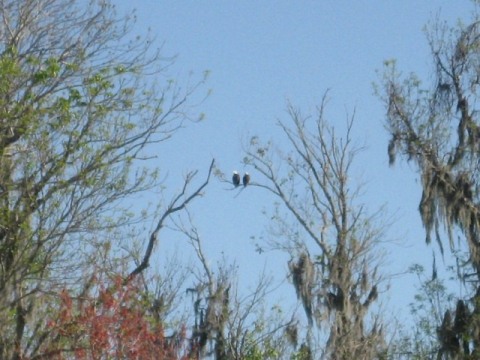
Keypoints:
pixel 431 301
pixel 303 353
pixel 260 351
pixel 49 71
pixel 77 115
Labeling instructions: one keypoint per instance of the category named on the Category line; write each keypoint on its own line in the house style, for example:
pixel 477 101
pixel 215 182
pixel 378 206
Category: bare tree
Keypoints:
pixel 227 324
pixel 80 102
pixel 331 240
pixel 436 127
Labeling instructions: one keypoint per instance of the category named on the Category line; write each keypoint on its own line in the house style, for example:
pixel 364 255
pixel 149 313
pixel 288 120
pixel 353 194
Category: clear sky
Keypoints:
pixel 262 54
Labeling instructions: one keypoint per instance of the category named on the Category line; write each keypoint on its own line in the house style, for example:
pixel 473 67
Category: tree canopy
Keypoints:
pixel 84 101
pixel 80 102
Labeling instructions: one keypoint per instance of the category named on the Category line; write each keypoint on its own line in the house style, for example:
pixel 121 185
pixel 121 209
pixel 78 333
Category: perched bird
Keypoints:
pixel 236 178
pixel 246 179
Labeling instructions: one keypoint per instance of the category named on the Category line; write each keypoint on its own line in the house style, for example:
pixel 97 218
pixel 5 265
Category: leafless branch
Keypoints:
pixel 178 203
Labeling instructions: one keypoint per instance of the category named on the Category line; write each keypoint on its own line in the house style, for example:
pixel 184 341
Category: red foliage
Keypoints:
pixel 112 325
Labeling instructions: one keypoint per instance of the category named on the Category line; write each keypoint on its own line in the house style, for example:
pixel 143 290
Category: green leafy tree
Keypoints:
pixel 80 102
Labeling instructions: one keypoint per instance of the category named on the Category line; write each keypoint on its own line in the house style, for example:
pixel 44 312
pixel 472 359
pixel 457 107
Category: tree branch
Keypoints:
pixel 176 205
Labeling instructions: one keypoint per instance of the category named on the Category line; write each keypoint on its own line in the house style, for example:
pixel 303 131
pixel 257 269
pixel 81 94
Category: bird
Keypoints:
pixel 246 179
pixel 236 178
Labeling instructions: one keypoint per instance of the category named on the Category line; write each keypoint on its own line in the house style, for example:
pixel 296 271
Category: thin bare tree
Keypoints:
pixel 327 232
pixel 228 324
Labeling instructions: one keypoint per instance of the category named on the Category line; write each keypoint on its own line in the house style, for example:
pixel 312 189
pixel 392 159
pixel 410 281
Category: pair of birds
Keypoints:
pixel 236 179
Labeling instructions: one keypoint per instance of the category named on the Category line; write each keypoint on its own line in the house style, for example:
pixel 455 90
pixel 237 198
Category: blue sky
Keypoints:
pixel 262 54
